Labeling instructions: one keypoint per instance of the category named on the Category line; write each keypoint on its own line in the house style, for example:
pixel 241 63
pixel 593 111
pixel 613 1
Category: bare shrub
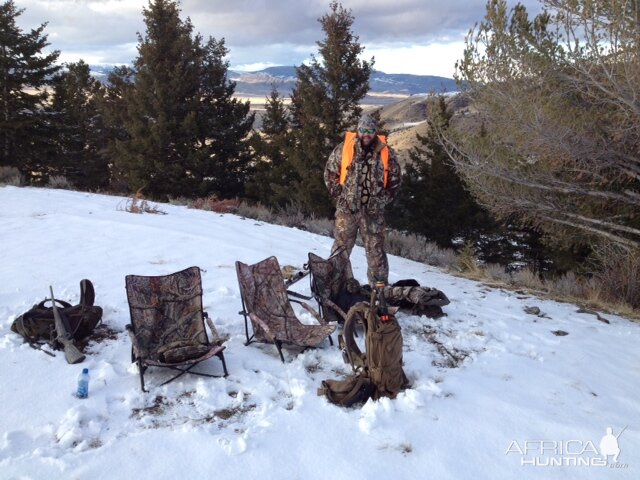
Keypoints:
pixel 444 257
pixel 61 182
pixel 568 285
pixel 620 275
pixel 291 216
pixel 179 201
pixel 256 212
pixel 407 245
pixel 418 248
pixel 527 278
pixel 11 176
pixel 496 273
pixel 321 226
pixel 213 204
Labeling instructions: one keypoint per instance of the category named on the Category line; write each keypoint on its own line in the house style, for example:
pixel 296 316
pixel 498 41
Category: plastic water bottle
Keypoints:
pixel 83 384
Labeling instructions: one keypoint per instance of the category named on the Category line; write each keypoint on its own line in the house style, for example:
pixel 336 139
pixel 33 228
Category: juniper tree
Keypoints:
pixel 558 95
pixel 159 114
pixel 184 131
pixel 270 184
pixel 224 158
pixel 79 141
pixel 25 73
pixel 111 100
pixel 433 200
pixel 325 103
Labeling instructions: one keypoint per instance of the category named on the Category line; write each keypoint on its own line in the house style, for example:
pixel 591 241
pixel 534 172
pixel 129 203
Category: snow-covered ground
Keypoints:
pixel 497 393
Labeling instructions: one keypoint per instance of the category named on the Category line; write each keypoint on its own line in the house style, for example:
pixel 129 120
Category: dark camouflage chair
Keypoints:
pixel 329 278
pixel 336 291
pixel 168 323
pixel 266 303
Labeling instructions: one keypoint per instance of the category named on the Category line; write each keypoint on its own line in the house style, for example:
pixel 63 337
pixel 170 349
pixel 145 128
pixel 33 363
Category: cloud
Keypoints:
pixel 259 31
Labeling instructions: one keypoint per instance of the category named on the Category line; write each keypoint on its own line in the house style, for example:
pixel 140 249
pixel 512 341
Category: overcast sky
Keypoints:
pixel 423 37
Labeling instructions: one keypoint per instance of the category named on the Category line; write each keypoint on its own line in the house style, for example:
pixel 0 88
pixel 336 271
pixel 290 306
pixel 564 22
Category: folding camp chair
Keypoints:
pixel 167 323
pixel 267 305
pixel 336 291
pixel 329 279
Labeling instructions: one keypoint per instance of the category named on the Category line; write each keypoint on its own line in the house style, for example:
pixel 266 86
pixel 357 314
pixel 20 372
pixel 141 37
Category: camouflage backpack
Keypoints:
pixel 378 371
pixel 37 326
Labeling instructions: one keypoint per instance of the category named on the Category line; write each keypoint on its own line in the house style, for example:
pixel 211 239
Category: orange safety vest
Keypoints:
pixel 348 150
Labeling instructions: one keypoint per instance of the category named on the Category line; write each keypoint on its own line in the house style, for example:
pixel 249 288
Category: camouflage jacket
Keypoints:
pixel 348 197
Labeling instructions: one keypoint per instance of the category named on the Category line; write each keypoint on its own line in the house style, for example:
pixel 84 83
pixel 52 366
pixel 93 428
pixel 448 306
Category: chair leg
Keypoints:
pixel 279 347
pixel 330 341
pixel 141 369
pixel 246 330
pixel 182 372
pixel 220 355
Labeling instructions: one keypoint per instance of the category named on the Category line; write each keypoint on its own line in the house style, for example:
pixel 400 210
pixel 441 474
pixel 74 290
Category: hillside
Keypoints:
pixel 407 118
pixel 496 385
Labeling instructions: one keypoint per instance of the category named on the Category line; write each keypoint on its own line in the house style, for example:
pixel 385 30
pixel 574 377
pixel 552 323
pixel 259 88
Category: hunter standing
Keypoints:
pixel 363 175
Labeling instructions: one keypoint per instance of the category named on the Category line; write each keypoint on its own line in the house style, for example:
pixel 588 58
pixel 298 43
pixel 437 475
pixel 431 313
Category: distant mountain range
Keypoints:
pixel 259 83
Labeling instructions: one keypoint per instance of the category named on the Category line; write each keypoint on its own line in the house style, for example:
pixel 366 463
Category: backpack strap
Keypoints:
pixel 347 392
pixel 349 347
pixel 43 305
pixel 87 293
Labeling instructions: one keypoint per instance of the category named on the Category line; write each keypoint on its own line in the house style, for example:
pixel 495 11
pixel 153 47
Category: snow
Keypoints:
pixel 488 380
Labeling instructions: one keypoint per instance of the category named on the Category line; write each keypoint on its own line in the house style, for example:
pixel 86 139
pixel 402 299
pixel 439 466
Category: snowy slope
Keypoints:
pixel 489 380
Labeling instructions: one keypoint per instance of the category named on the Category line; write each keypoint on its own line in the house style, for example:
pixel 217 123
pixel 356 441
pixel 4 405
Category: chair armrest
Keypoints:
pixel 334 307
pixel 315 314
pixel 216 338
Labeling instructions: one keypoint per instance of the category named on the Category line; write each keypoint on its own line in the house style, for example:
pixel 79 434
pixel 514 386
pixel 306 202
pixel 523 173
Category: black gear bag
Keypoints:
pixel 37 326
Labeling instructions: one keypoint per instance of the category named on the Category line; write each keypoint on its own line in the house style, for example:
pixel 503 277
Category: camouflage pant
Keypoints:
pixel 372 231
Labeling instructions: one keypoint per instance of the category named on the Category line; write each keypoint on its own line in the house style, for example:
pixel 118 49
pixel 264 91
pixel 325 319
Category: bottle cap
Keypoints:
pixel 85 370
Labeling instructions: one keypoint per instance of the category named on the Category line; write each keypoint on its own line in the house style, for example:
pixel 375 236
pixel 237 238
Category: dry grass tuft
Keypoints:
pixel 527 278
pixel 620 276
pixel 496 273
pixel 568 285
pixel 11 176
pixel 256 212
pixel 468 262
pixel 137 204
pixel 418 248
pixel 61 182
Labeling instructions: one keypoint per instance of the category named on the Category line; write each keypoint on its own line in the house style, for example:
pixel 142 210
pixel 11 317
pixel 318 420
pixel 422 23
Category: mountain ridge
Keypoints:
pixel 284 77
pixel 260 82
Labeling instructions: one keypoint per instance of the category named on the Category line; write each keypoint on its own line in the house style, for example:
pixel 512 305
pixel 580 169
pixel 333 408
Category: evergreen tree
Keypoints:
pixel 324 104
pixel 433 200
pixel 224 123
pixel 558 94
pixel 185 134
pixel 160 114
pixel 109 128
pixel 273 176
pixel 78 141
pixel 25 72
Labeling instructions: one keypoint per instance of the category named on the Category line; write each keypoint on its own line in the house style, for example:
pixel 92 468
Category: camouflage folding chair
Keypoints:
pixel 167 323
pixel 266 303
pixel 329 279
pixel 336 291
